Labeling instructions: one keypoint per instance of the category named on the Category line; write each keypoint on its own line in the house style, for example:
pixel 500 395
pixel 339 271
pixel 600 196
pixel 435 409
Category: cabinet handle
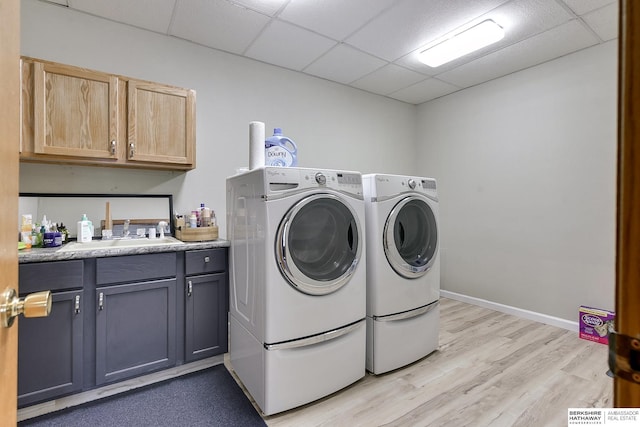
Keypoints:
pixel 189 288
pixel 113 147
pixel 101 301
pixel 132 150
pixel 207 259
pixel 77 306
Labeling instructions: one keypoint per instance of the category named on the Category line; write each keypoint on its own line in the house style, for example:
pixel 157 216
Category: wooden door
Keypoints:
pixel 627 393
pixel 75 112
pixel 9 143
pixel 161 124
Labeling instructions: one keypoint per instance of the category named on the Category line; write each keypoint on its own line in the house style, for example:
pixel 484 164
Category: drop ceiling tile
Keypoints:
pixel 424 91
pixel 288 46
pixel 520 19
pixel 344 64
pixel 551 44
pixel 604 21
pixel 217 23
pixel 387 79
pixel 333 18
pixel 367 33
pixel 154 15
pixel 413 23
pixel 524 18
pixel 269 7
pixel 580 7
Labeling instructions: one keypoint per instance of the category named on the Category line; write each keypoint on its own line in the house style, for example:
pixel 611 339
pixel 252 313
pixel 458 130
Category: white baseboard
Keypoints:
pixel 515 311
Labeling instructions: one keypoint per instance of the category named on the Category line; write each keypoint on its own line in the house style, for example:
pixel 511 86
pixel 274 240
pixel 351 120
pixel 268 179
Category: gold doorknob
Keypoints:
pixel 37 304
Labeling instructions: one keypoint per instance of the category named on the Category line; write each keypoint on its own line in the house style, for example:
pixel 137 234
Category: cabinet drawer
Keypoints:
pixel 135 268
pixel 205 261
pixel 54 276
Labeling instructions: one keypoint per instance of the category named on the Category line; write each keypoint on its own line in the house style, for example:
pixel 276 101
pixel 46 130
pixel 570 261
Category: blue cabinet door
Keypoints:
pixel 135 329
pixel 205 316
pixel 50 355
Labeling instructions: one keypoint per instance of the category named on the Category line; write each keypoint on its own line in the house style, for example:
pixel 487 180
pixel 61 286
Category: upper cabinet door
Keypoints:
pixel 72 115
pixel 161 124
pixel 75 112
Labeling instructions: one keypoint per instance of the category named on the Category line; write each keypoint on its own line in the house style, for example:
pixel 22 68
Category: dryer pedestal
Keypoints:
pixel 396 341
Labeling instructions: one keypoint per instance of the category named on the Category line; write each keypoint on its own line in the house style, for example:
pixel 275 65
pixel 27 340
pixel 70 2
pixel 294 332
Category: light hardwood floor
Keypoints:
pixel 491 369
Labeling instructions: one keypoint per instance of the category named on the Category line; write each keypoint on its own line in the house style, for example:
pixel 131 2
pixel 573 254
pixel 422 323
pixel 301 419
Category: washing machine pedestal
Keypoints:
pixel 283 379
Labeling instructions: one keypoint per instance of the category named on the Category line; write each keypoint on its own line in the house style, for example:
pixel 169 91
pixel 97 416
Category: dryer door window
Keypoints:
pixel 318 244
pixel 411 237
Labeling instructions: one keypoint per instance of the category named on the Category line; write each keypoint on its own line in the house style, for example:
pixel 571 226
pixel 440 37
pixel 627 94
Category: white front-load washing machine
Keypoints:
pixel 297 283
pixel 403 270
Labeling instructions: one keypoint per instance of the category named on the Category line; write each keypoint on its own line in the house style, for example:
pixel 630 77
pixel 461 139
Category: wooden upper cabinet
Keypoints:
pixel 73 115
pixel 75 112
pixel 161 123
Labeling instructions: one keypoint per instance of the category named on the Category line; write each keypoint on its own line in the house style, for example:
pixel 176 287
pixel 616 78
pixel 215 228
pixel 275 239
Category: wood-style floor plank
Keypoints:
pixel 491 369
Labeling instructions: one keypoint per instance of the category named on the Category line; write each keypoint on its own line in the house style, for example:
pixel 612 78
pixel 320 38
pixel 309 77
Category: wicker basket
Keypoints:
pixel 200 234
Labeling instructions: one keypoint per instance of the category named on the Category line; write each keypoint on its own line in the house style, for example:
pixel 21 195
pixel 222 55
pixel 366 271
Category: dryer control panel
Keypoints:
pixel 382 186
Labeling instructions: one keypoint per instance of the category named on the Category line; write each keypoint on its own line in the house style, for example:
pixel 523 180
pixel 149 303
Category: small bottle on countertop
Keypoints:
pixel 64 232
pixel 36 236
pixel 205 215
pixel 26 228
pixel 193 220
pixel 84 230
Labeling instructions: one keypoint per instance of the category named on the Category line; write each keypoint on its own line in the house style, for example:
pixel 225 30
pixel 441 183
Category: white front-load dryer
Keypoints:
pixel 403 270
pixel 297 283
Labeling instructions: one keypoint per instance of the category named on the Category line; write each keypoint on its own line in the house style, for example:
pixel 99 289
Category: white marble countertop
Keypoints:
pixel 55 254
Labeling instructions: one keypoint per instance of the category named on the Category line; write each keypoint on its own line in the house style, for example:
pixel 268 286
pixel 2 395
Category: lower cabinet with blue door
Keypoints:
pixel 135 315
pixel 50 349
pixel 115 318
pixel 206 303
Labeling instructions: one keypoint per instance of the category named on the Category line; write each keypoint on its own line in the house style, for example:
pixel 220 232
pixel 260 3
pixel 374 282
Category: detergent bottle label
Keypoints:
pixel 278 156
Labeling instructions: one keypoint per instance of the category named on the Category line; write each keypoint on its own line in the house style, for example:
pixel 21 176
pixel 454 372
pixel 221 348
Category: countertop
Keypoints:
pixel 54 254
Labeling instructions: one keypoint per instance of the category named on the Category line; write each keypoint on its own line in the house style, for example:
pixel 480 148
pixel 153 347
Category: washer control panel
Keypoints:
pixel 281 179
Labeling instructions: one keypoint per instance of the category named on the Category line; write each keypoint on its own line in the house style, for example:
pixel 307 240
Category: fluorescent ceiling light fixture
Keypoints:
pixel 476 37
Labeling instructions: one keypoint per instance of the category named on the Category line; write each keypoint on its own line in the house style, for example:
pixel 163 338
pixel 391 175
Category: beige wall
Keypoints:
pixel 526 168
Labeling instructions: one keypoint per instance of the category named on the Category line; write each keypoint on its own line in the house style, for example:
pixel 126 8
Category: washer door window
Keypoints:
pixel 318 244
pixel 411 237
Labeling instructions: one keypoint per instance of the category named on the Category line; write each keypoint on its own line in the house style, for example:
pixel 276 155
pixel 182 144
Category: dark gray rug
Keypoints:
pixel 210 397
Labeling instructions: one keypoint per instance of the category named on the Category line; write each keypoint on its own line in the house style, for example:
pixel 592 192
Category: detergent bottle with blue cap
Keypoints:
pixel 280 150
